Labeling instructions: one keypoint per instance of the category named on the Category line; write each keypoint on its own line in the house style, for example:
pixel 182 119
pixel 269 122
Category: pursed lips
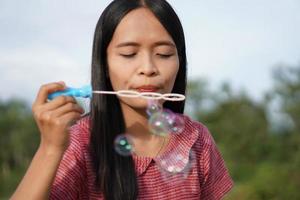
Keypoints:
pixel 147 88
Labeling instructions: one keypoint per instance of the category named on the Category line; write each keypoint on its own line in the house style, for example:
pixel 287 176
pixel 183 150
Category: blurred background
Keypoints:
pixel 244 82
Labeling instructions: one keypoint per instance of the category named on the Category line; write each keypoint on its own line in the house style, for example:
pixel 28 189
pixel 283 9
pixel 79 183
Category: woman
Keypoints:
pixel 138 45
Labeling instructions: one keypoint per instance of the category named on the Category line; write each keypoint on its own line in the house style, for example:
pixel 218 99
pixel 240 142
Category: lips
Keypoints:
pixel 147 88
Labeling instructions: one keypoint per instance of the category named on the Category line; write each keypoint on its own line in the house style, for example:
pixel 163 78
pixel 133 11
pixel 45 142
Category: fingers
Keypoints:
pixel 69 107
pixel 70 118
pixel 46 89
pixel 58 102
pixel 58 117
pixel 55 108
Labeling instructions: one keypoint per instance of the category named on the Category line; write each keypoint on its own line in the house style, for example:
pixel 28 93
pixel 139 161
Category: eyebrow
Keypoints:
pixel 159 43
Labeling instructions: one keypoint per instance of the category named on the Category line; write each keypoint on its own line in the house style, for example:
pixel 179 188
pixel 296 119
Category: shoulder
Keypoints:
pixel 194 138
pixel 214 176
pixel 198 139
pixel 80 131
pixel 197 132
pixel 203 141
pixel 70 179
pixel 79 138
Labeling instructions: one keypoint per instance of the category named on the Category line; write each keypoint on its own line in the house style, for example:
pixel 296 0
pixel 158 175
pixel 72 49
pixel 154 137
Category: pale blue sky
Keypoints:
pixel 238 41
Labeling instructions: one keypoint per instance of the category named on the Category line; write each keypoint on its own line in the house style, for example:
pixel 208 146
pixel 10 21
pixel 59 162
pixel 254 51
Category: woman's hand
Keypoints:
pixel 55 117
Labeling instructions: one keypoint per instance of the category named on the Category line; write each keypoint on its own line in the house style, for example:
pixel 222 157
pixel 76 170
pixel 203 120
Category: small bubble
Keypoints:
pixel 153 107
pixel 123 145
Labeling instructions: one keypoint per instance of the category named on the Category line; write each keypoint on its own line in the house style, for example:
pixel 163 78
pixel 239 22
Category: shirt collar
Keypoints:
pixel 177 153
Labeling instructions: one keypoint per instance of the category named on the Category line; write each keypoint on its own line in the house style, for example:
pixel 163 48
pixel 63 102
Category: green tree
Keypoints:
pixel 264 162
pixel 19 139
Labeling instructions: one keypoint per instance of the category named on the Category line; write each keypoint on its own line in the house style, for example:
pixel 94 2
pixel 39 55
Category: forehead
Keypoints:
pixel 140 25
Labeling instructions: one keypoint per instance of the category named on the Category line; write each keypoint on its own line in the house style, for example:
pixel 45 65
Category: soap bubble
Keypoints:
pixel 175 166
pixel 123 145
pixel 158 124
pixel 175 122
pixel 153 107
pixel 165 122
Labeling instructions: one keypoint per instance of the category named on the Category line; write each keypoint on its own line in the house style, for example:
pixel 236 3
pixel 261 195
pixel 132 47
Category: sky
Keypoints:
pixel 235 41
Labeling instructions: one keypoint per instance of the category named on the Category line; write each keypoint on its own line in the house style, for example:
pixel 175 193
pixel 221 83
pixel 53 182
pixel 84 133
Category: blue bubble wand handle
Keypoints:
pixel 84 92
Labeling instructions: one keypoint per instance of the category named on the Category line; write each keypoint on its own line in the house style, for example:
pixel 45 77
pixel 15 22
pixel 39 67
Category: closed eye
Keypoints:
pixel 128 55
pixel 165 55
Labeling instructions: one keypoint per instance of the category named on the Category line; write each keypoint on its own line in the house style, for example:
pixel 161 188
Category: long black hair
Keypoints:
pixel 115 174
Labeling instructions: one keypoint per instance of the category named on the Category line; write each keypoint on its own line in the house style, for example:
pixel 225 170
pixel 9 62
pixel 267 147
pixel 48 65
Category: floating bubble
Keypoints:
pixel 158 124
pixel 165 122
pixel 153 107
pixel 175 166
pixel 123 145
pixel 175 122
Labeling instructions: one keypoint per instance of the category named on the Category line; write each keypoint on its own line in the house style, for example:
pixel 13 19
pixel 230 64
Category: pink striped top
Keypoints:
pixel 202 171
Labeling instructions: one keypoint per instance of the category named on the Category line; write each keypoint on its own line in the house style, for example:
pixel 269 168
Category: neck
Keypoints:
pixel 136 122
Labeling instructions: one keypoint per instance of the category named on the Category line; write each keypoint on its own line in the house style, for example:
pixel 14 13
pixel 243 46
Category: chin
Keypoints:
pixel 137 103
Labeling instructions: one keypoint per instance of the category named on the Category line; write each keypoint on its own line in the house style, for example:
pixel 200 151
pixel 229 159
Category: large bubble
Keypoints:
pixel 158 124
pixel 165 122
pixel 176 166
pixel 174 122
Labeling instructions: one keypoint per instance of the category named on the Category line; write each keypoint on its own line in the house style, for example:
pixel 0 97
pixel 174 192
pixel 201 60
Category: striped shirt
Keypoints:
pixel 200 170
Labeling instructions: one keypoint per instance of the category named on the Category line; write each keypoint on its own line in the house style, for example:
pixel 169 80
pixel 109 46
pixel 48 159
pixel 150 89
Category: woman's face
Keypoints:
pixel 142 56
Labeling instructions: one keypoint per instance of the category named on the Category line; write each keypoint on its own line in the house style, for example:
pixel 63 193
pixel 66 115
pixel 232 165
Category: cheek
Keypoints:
pixel 119 77
pixel 116 79
pixel 171 74
pixel 172 79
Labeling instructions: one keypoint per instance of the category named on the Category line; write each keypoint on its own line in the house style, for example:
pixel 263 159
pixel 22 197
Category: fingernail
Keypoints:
pixel 62 83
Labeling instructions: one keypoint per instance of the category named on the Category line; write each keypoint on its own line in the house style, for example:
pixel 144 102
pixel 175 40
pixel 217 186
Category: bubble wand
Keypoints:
pixel 86 92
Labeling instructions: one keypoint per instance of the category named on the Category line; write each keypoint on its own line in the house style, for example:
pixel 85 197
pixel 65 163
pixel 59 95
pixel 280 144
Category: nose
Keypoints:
pixel 148 67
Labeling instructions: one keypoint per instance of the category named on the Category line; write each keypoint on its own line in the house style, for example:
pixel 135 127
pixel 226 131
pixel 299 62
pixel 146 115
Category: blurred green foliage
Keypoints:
pixel 19 140
pixel 259 140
